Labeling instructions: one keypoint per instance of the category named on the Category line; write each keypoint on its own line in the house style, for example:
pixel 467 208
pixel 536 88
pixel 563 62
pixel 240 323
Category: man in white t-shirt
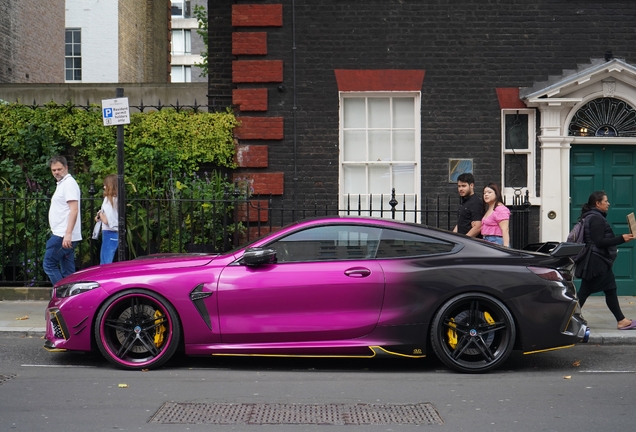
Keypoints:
pixel 64 220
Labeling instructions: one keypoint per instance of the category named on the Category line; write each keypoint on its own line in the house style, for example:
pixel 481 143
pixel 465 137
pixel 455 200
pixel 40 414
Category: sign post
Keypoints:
pixel 116 112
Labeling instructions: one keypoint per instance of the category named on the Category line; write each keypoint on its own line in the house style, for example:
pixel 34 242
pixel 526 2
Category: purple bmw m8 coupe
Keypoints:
pixel 333 286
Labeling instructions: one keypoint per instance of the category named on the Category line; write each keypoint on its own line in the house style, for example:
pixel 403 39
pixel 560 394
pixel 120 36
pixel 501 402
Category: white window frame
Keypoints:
pixel 73 57
pixel 185 7
pixel 531 172
pixel 182 37
pixel 412 198
pixel 186 72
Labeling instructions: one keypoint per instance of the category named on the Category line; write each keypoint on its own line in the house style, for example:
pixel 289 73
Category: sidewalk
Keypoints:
pixel 23 312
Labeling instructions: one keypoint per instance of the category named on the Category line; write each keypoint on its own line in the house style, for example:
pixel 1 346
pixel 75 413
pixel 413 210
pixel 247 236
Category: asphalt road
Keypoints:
pixel 585 388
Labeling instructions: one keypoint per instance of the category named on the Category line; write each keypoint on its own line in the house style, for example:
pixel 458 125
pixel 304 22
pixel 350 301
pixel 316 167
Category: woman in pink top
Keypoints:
pixel 494 225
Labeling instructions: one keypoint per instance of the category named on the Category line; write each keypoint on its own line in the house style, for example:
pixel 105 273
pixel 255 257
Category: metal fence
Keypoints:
pixel 186 225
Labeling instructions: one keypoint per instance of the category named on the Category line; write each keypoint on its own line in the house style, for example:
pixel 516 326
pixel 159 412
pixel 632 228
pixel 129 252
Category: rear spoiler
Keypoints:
pixel 555 249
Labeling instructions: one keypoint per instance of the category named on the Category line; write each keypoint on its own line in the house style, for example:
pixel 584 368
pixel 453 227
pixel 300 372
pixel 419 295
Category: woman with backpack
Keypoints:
pixel 598 275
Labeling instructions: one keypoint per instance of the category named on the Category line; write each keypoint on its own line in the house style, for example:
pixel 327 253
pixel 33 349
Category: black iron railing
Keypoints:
pixel 188 225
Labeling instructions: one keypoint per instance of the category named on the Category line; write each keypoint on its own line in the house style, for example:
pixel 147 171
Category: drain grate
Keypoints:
pixel 325 414
pixel 5 378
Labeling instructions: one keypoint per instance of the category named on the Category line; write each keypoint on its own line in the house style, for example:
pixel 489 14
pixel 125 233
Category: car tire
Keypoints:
pixel 473 333
pixel 137 329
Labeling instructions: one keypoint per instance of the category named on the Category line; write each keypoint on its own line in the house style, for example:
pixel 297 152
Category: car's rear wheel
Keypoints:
pixel 137 329
pixel 473 333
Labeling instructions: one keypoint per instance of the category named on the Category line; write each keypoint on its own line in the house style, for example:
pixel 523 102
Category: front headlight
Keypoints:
pixel 74 288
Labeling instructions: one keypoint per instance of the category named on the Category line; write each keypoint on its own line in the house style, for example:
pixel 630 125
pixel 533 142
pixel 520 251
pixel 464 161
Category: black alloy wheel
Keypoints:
pixel 137 329
pixel 473 333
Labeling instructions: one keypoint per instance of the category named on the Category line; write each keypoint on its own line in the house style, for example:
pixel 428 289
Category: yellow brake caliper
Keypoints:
pixel 159 330
pixel 452 334
pixel 488 318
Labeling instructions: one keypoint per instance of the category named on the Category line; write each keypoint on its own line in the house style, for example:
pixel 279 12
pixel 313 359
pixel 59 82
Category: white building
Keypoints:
pixel 123 41
pixel 186 44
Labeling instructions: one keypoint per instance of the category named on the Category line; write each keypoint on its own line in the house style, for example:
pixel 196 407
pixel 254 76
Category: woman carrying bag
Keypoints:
pixel 109 218
pixel 598 275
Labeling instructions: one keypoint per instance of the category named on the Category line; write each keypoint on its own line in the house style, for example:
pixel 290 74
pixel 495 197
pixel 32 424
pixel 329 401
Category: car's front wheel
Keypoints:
pixel 137 329
pixel 473 333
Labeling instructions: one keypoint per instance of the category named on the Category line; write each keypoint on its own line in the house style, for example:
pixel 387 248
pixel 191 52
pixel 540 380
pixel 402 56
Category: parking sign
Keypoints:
pixel 115 111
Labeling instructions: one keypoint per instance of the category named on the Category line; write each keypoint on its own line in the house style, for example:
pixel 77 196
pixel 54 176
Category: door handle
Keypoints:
pixel 357 272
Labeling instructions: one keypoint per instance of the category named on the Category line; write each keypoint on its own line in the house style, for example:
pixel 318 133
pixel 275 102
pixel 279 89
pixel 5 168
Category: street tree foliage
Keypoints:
pixel 201 15
pixel 160 146
pixel 171 199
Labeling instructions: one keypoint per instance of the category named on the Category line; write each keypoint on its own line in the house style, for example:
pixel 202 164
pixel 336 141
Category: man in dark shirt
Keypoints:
pixel 471 208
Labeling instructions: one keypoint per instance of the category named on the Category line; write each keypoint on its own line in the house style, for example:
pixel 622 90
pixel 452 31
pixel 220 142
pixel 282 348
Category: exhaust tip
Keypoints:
pixel 586 336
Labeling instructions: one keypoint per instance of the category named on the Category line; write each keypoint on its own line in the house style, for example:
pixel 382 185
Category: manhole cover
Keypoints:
pixel 325 414
pixel 5 378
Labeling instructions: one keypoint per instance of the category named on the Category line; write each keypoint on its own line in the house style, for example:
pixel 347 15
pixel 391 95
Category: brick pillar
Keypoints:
pixel 251 99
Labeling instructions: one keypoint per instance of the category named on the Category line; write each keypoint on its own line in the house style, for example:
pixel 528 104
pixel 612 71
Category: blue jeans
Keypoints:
pixel 109 246
pixel 58 262
pixel 494 239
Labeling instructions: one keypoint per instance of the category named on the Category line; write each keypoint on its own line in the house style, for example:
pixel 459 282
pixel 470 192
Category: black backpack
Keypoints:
pixel 577 235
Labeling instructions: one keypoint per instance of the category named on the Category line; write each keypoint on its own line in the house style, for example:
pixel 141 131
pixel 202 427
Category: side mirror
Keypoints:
pixel 259 256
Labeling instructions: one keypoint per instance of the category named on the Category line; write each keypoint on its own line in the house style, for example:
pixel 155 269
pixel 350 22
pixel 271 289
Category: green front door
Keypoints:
pixel 611 169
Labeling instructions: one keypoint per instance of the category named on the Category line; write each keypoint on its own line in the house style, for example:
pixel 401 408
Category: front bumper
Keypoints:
pixel 69 321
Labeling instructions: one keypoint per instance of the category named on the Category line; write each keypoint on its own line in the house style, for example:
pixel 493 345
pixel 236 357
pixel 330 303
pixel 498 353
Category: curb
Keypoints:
pixel 25 293
pixel 610 338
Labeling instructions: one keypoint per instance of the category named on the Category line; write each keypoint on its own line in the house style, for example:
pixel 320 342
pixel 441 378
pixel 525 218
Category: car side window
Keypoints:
pixel 400 244
pixel 328 243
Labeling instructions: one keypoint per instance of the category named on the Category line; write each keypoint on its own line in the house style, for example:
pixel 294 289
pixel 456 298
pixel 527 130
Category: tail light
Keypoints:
pixel 547 273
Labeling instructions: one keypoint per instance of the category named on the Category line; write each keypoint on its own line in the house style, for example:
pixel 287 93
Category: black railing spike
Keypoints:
pixel 393 203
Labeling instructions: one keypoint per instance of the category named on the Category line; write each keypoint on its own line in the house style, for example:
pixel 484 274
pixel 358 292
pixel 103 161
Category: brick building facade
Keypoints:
pixel 144 41
pixel 474 59
pixel 32 41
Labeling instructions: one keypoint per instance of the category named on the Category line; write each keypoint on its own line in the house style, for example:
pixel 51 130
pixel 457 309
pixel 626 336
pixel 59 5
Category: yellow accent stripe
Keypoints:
pixel 372 348
pixel 567 324
pixel 59 324
pixel 549 349
pixel 55 350
pixel 290 355
pixel 397 354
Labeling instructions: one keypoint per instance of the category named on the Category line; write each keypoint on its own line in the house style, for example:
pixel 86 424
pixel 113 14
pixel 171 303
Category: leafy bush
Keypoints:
pixel 164 150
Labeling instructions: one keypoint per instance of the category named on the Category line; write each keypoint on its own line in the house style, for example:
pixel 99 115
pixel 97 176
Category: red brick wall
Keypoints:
pixel 379 80
pixel 257 71
pixel 259 128
pixel 250 15
pixel 509 98
pixel 257 211
pixel 250 99
pixel 252 156
pixel 262 183
pixel 256 232
pixel 254 43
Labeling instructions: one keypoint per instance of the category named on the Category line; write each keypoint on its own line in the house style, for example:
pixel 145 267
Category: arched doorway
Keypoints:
pixel 612 169
pixel 597 164
pixel 558 101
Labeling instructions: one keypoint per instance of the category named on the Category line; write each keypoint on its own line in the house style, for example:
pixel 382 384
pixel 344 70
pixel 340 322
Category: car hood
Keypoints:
pixel 147 263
